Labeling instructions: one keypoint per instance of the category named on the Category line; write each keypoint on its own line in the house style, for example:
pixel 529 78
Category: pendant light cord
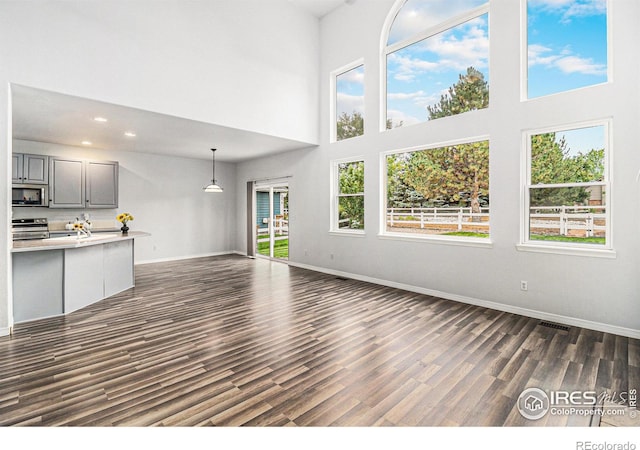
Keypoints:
pixel 213 181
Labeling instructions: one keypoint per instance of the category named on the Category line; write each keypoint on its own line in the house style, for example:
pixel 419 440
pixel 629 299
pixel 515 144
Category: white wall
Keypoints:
pixel 247 64
pixel 593 292
pixel 165 196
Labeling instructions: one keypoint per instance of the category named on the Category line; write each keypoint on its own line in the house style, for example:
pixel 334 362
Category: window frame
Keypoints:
pixel 333 101
pixel 336 195
pixel 524 53
pixel 386 49
pixel 559 247
pixel 429 238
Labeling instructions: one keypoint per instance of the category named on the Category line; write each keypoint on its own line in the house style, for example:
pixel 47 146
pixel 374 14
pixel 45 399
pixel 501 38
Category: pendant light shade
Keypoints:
pixel 213 187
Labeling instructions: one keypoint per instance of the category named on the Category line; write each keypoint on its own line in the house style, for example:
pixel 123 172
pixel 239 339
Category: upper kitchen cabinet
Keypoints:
pixel 101 184
pixel 66 183
pixel 29 169
pixel 83 184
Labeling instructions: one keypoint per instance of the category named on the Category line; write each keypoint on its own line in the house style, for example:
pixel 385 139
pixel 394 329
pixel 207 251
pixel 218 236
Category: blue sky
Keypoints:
pixel 567 45
pixel 350 91
pixel 582 140
pixel 567 49
pixel 420 73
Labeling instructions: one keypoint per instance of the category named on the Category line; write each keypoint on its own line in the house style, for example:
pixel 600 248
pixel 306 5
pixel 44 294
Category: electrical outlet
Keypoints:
pixel 524 286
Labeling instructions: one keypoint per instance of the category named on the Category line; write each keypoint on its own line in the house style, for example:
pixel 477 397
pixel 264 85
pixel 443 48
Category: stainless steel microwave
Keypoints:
pixel 29 195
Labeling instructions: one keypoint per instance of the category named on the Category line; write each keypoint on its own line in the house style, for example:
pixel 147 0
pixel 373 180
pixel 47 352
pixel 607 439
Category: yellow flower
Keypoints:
pixel 124 217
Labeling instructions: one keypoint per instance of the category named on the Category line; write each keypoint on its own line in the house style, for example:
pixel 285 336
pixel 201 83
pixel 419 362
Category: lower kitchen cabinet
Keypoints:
pixel 37 285
pixel 59 281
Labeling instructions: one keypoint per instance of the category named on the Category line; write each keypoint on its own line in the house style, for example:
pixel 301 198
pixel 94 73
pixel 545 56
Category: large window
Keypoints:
pixel 348 199
pixel 348 102
pixel 566 45
pixel 437 60
pixel 441 191
pixel 567 187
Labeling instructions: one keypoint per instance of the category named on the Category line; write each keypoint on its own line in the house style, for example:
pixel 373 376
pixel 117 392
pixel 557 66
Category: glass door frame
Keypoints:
pixel 269 186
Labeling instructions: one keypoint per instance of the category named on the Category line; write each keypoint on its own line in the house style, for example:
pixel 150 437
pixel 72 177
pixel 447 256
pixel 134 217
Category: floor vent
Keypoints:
pixel 554 326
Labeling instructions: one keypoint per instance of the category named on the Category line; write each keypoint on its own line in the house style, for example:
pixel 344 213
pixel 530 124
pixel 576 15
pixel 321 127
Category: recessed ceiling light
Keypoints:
pixel 129 134
pixel 86 142
pixel 100 119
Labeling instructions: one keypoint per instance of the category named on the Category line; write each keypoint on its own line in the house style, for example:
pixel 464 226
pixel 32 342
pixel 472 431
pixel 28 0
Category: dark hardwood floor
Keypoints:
pixel 230 341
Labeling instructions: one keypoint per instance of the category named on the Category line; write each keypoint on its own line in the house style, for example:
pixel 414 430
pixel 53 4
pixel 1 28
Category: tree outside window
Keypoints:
pixel 567 186
pixel 349 198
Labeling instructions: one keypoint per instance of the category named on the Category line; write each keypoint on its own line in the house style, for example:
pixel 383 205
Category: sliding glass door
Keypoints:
pixel 272 220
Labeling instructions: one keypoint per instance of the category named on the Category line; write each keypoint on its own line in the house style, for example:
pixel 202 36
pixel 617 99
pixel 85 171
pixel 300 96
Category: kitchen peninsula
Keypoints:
pixel 79 272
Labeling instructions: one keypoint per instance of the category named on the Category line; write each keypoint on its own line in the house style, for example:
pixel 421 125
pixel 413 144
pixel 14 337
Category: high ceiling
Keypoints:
pixel 51 117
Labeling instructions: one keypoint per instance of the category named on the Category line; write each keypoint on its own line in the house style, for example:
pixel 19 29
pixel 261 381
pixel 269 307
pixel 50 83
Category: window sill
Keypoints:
pixel 571 251
pixel 348 233
pixel 444 240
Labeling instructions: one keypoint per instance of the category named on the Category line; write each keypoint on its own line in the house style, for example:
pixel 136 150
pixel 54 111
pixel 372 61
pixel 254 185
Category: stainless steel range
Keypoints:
pixel 23 229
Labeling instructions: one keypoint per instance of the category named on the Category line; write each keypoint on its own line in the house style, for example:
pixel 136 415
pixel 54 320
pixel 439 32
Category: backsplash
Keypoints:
pixel 100 219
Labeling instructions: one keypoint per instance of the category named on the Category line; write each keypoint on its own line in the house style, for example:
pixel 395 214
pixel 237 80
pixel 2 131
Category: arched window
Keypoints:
pixel 437 60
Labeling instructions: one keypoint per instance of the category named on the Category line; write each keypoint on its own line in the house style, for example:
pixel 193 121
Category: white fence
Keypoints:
pixel 430 217
pixel 588 220
pixel 280 226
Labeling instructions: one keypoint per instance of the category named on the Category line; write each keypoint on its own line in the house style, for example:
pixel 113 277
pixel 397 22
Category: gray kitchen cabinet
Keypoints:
pixel 66 183
pixel 37 285
pixel 101 184
pixel 83 184
pixel 29 169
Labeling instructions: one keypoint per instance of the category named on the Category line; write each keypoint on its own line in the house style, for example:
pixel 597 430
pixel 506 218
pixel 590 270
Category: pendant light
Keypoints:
pixel 213 187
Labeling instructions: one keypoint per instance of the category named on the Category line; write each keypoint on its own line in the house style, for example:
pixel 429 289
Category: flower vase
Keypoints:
pixel 124 229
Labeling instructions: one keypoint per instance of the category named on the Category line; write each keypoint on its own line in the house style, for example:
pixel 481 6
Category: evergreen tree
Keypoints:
pixel 469 93
pixel 349 125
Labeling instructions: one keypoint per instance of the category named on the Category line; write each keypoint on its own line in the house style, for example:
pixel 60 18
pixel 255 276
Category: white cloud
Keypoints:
pixel 400 116
pixel 571 8
pixel 418 15
pixel 564 61
pixel 349 103
pixel 575 64
pixel 451 52
pixel 352 76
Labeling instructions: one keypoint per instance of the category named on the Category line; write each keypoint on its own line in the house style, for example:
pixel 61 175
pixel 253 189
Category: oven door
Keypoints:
pixel 29 195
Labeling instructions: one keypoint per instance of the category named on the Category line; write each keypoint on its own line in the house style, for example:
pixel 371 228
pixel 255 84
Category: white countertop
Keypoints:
pixel 59 243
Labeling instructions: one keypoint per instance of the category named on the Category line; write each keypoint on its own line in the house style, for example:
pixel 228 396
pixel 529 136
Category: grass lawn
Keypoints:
pixel 581 240
pixel 280 248
pixel 467 234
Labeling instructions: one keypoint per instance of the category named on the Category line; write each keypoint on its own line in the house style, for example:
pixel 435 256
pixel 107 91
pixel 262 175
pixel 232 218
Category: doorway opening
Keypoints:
pixel 272 221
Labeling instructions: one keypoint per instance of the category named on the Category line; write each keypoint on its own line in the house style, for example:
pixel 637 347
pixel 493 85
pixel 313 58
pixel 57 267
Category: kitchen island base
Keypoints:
pixel 50 280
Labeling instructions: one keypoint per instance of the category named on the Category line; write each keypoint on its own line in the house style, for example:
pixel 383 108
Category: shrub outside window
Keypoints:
pixel 439 192
pixel 567 187
pixel 348 201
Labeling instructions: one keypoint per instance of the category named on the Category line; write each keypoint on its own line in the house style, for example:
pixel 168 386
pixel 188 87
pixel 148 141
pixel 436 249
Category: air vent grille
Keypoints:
pixel 555 326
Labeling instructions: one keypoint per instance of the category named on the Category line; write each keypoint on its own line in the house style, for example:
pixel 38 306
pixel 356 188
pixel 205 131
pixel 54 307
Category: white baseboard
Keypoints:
pixel 180 258
pixel 5 331
pixel 557 318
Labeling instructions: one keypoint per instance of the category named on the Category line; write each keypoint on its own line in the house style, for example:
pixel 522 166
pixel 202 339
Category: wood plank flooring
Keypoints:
pixel 230 341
